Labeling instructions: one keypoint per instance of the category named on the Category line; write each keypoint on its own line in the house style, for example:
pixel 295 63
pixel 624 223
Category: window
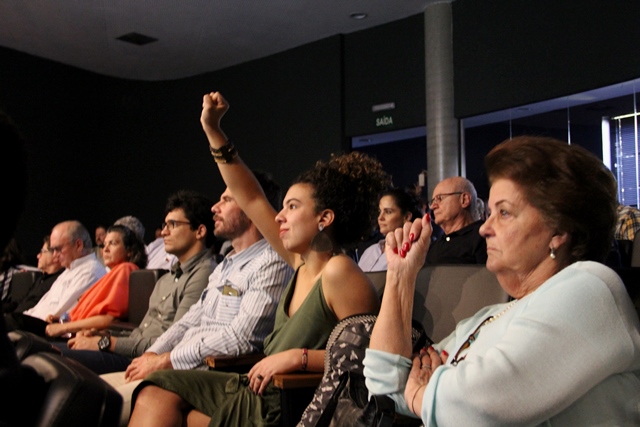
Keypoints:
pixel 625 133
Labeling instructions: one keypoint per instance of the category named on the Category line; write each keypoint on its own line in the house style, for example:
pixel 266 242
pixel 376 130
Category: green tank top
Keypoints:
pixel 309 327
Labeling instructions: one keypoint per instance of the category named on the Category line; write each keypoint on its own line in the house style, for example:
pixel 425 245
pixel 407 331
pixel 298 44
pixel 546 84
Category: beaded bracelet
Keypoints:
pixel 224 154
pixel 305 358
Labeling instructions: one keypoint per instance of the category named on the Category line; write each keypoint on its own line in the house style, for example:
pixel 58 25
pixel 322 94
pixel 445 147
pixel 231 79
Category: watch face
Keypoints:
pixel 104 343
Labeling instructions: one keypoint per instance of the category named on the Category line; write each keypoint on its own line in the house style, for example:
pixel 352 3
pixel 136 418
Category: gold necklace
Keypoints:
pixel 472 337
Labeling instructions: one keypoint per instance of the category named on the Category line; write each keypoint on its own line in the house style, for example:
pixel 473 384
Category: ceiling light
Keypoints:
pixel 358 15
pixel 137 38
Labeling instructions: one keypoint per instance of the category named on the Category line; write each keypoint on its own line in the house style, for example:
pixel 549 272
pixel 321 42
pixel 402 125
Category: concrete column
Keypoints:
pixel 444 153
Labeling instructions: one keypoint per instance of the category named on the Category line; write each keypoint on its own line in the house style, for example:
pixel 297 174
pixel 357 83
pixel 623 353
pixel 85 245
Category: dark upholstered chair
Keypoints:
pixel 21 283
pixel 27 344
pixel 74 396
pixel 635 253
pixel 447 294
pixel 141 284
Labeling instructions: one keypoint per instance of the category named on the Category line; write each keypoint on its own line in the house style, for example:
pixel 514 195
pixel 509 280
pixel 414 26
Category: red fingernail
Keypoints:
pixel 395 250
pixel 406 246
pixel 444 353
pixel 431 348
pixel 412 237
pixel 403 253
pixel 428 217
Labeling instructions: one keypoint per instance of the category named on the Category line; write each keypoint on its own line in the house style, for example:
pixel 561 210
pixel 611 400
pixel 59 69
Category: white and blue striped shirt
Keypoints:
pixel 229 324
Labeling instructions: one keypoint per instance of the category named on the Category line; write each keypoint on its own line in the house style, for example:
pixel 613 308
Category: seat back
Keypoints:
pixel 75 396
pixel 446 294
pixel 635 253
pixel 141 284
pixel 22 282
pixel 378 278
pixel 27 343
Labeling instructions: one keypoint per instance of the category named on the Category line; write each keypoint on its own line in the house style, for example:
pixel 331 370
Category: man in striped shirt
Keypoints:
pixel 235 312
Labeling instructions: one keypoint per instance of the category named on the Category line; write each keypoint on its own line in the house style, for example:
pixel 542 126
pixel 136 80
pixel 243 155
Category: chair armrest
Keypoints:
pixel 233 362
pixel 297 380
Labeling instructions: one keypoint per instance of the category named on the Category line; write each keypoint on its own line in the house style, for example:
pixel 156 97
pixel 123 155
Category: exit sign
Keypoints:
pixel 384 121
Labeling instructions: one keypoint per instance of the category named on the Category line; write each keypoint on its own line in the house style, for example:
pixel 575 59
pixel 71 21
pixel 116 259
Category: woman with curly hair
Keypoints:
pixel 326 211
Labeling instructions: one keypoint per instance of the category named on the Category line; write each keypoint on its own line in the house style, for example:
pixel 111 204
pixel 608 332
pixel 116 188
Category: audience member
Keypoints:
pixel 329 207
pixel 628 222
pixel 454 210
pixel 363 244
pixel 481 208
pixel 173 294
pixel 108 298
pixel 157 256
pixel 565 351
pixel 396 207
pixel 100 234
pixel 133 224
pixel 71 245
pixel 235 313
pixel 50 267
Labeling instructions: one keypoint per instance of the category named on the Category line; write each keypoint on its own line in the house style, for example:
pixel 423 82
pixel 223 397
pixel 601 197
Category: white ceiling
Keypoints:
pixel 194 36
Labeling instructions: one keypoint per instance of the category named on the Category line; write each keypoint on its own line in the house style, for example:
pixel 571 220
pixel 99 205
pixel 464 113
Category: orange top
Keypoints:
pixel 109 295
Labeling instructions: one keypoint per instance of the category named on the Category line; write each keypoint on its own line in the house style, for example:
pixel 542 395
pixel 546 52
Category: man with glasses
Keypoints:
pixel 236 311
pixel 187 234
pixel 72 247
pixel 454 210
pixel 50 268
pixel 156 253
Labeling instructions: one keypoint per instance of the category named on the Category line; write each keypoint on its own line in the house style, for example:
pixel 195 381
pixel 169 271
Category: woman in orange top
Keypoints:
pixel 108 298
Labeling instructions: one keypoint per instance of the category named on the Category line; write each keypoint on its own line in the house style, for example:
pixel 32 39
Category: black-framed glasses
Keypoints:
pixel 440 197
pixel 472 337
pixel 172 224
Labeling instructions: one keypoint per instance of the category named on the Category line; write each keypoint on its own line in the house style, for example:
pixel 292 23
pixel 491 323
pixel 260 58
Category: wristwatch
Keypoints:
pixel 105 343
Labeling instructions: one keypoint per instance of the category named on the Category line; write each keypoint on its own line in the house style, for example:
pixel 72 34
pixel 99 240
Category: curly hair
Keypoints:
pixel 350 185
pixel 572 188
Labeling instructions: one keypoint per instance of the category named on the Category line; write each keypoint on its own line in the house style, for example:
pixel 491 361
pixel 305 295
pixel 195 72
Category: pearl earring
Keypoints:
pixel 552 254
pixel 320 227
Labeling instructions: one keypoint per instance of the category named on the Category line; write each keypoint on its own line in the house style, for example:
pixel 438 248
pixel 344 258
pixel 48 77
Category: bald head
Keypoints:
pixel 454 203
pixel 70 240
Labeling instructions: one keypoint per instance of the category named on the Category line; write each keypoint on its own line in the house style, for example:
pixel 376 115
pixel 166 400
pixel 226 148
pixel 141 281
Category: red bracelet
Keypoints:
pixel 305 358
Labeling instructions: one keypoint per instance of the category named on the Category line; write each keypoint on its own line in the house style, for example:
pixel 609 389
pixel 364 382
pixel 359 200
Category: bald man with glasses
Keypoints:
pixel 72 247
pixel 454 209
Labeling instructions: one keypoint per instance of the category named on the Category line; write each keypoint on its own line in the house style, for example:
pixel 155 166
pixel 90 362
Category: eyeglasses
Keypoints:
pixel 45 251
pixel 474 335
pixel 438 198
pixel 172 224
pixel 54 249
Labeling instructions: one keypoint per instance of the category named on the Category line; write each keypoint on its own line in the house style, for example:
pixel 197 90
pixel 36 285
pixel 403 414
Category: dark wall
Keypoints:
pixel 101 148
pixel 385 64
pixel 515 52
